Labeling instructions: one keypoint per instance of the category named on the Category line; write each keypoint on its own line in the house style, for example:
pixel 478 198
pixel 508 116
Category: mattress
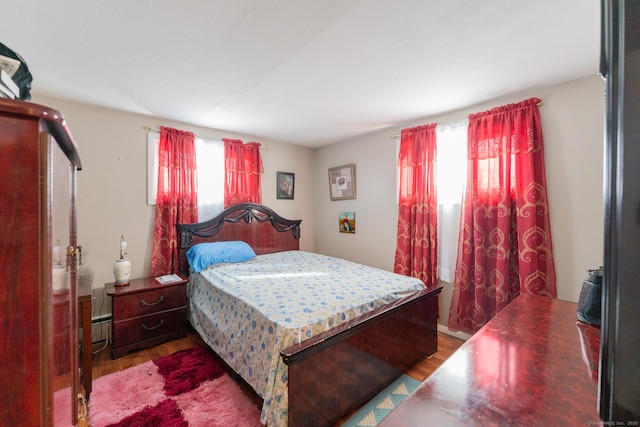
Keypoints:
pixel 248 312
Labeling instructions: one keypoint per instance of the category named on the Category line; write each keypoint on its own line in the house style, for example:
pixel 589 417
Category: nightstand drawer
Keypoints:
pixel 148 327
pixel 147 302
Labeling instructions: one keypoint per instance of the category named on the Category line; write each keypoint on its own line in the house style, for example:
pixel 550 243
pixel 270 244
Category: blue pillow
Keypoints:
pixel 203 255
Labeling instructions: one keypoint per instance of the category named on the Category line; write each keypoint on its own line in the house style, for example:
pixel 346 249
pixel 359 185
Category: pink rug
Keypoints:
pixel 187 388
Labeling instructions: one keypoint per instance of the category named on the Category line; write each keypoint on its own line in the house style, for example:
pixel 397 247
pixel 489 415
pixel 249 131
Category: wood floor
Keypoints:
pixel 103 364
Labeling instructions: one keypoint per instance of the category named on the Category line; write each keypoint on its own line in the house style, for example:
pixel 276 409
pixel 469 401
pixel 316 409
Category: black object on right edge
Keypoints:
pixel 590 302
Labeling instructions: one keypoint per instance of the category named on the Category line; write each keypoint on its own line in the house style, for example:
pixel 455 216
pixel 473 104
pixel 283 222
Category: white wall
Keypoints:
pixel 112 187
pixel 572 116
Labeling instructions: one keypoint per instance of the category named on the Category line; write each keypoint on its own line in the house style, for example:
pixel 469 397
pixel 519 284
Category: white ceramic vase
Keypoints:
pixel 122 271
pixel 60 279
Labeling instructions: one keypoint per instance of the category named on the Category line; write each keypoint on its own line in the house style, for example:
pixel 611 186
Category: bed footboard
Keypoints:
pixel 339 370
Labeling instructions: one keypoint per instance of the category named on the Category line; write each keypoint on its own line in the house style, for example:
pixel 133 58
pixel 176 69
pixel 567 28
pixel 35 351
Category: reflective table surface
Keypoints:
pixel 534 364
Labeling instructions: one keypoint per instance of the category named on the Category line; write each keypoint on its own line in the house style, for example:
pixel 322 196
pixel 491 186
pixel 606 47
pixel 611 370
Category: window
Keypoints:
pixel 153 140
pixel 210 164
pixel 451 162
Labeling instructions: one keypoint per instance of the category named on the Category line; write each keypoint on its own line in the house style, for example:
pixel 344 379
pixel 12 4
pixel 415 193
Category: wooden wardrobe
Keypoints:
pixel 39 373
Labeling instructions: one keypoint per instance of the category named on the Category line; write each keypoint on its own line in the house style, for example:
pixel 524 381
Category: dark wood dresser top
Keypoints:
pixel 534 364
pixel 143 284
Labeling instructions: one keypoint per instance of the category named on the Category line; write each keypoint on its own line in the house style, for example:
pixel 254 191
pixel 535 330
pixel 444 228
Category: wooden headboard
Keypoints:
pixel 263 229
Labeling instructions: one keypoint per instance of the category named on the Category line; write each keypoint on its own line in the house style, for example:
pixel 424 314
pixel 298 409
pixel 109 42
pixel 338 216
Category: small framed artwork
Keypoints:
pixel 286 182
pixel 347 222
pixel 342 182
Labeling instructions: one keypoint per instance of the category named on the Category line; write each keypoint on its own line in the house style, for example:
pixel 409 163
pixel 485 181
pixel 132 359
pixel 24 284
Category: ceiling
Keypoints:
pixel 306 72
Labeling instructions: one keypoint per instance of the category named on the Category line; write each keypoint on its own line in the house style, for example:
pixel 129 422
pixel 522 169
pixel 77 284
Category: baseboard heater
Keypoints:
pixel 100 326
pixel 101 319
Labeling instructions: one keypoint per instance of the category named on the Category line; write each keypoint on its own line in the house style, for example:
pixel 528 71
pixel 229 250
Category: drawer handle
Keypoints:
pixel 143 302
pixel 151 328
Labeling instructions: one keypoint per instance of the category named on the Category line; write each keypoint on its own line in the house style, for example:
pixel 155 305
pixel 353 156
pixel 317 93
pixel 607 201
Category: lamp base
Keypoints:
pixel 122 271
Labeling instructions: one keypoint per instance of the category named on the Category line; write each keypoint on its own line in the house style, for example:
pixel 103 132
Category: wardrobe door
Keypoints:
pixel 24 314
pixel 62 269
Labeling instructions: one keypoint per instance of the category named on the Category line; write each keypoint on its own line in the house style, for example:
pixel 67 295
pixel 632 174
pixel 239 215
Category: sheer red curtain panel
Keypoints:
pixel 177 198
pixel 243 172
pixel 417 244
pixel 504 246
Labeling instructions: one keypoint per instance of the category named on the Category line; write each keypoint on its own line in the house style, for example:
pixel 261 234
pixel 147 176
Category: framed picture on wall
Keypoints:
pixel 342 182
pixel 347 222
pixel 286 183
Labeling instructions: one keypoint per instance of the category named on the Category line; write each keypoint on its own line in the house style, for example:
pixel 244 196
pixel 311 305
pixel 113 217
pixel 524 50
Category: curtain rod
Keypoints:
pixel 150 129
pixel 396 136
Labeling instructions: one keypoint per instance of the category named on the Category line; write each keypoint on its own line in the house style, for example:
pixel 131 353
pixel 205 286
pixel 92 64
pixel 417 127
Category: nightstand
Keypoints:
pixel 146 313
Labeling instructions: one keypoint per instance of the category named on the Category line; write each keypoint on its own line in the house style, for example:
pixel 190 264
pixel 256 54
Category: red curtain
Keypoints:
pixel 243 172
pixel 177 199
pixel 504 246
pixel 417 247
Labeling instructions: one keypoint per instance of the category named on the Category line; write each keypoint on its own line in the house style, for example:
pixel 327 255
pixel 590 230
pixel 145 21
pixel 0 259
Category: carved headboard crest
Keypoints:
pixel 246 212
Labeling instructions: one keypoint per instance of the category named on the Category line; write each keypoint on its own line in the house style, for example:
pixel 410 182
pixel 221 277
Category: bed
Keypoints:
pixel 311 347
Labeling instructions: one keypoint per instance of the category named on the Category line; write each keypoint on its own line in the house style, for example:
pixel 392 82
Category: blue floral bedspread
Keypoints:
pixel 248 312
